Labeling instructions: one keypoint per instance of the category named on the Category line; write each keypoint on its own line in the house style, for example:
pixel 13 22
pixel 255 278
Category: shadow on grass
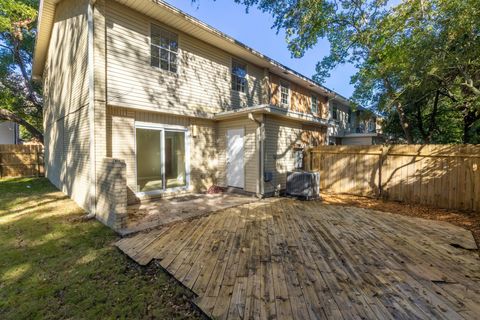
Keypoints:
pixel 55 265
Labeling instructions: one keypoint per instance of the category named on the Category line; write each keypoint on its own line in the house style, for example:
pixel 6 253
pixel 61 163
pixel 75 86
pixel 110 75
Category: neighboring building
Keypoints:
pixel 9 133
pixel 142 99
pixel 353 126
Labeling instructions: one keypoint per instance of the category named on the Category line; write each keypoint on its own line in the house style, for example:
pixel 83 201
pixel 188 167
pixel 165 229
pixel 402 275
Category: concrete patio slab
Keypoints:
pixel 161 212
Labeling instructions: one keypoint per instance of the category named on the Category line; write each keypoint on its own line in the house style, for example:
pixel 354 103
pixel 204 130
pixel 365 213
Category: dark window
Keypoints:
pixel 335 112
pixel 239 76
pixel 349 116
pixel 163 49
pixel 314 105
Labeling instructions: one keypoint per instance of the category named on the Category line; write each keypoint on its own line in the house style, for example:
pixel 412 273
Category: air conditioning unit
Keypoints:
pixel 303 184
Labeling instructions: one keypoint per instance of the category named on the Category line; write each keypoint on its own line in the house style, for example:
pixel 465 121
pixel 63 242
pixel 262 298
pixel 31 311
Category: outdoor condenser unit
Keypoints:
pixel 303 184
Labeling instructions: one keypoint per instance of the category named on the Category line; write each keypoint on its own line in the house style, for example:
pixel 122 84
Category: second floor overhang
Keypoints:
pixel 271 110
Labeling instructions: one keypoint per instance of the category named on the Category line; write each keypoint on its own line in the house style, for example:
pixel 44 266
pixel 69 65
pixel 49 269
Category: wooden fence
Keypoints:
pixel 21 160
pixel 444 176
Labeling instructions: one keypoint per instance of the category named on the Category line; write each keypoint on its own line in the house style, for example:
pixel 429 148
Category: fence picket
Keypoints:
pixel 445 176
pixel 21 160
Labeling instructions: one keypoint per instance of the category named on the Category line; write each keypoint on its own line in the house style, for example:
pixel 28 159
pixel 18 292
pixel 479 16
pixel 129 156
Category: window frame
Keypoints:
pixel 159 47
pixel 284 84
pixel 232 75
pixel 314 97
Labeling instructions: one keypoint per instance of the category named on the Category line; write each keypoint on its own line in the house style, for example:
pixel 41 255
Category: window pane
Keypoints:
pixel 155 62
pixel 239 75
pixel 164 41
pixel 175 173
pixel 163 54
pixel 149 168
pixel 164 64
pixel 164 49
pixel 173 45
pixel 173 58
pixel 314 104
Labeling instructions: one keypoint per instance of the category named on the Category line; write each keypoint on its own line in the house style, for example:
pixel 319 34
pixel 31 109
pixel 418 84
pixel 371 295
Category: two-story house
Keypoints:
pixel 143 99
pixel 353 126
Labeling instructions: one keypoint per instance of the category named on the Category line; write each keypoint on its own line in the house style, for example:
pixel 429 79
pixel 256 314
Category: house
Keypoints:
pixel 9 133
pixel 143 100
pixel 353 126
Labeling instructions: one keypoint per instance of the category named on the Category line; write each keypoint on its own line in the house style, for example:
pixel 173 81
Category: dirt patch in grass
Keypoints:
pixel 466 220
pixel 55 265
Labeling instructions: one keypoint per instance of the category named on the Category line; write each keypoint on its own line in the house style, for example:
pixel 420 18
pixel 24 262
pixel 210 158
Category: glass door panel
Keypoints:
pixel 175 173
pixel 149 160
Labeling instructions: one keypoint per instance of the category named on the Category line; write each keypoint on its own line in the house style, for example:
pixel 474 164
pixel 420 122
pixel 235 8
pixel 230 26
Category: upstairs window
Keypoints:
pixel 284 93
pixel 164 49
pixel 314 105
pixel 335 112
pixel 239 76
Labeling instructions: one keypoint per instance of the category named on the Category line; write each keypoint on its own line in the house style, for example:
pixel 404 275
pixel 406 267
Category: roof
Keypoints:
pixel 180 20
pixel 273 110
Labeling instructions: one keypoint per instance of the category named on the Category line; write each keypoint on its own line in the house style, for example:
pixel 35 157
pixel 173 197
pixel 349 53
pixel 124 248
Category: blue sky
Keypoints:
pixel 254 29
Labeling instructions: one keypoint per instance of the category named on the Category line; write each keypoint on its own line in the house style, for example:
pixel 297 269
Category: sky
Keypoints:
pixel 255 30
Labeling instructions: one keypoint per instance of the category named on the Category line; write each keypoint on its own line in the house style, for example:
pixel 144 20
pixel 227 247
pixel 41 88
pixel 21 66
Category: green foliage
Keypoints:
pixel 20 98
pixel 55 265
pixel 418 62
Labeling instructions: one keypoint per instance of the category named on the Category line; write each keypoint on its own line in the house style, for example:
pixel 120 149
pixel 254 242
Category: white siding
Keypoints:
pixel 66 102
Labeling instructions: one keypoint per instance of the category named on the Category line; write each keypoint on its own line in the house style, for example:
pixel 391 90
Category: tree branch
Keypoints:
pixel 10 116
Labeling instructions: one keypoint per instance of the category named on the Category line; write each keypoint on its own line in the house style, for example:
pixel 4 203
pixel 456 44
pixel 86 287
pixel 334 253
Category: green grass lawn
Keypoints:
pixel 54 264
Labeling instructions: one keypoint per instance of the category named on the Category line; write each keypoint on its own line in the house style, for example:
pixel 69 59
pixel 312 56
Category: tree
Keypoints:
pixel 418 62
pixel 20 98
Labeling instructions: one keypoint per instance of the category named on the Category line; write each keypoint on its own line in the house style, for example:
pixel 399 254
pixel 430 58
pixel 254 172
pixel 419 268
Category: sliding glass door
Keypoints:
pixel 161 158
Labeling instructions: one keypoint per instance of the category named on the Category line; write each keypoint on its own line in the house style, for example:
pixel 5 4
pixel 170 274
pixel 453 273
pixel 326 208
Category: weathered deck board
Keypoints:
pixel 284 259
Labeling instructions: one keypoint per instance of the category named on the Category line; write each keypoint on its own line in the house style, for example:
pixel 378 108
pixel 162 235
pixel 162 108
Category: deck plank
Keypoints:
pixel 286 259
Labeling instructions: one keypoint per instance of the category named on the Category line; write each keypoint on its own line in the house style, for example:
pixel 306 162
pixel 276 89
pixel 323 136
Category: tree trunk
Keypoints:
pixel 404 124
pixel 10 116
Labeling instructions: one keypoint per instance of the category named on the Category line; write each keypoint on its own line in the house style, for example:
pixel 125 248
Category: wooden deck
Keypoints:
pixel 284 259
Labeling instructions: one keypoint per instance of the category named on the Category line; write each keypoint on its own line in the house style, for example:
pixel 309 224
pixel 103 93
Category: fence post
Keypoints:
pixel 37 158
pixel 383 156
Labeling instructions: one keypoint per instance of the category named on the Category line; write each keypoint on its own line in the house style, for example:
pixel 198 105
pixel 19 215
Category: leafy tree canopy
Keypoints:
pixel 418 61
pixel 20 98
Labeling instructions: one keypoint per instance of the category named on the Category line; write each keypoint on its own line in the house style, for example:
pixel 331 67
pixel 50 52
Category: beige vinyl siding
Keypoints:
pixel 121 144
pixel 202 84
pixel 281 137
pixel 365 141
pixel 66 123
pixel 251 157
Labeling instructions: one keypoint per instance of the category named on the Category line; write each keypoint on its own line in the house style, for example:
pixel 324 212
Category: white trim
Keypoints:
pixel 162 128
pixel 287 85
pixel 169 29
pixel 232 59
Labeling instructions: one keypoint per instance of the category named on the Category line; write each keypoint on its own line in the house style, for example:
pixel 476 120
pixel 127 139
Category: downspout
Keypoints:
pixel 91 108
pixel 261 138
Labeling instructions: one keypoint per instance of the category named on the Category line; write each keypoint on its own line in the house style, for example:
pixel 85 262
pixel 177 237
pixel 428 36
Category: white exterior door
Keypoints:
pixel 235 156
